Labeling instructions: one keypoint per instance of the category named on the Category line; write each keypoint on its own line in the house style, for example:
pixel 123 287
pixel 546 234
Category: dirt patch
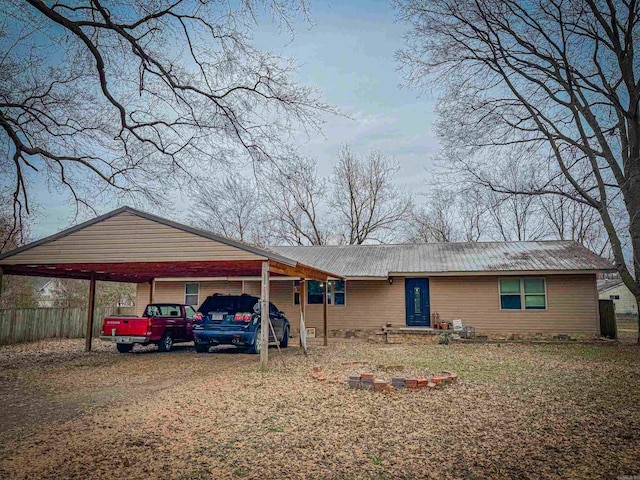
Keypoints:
pixel 517 411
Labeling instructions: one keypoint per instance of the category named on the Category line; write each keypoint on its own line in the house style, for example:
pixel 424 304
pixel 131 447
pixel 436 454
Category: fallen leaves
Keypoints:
pixel 518 411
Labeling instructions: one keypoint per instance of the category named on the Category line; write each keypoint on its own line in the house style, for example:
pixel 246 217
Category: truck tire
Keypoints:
pixel 256 346
pixel 124 347
pixel 201 347
pixel 166 343
pixel 284 343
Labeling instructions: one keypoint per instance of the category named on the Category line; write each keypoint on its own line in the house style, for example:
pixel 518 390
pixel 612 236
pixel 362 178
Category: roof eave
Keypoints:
pixel 185 228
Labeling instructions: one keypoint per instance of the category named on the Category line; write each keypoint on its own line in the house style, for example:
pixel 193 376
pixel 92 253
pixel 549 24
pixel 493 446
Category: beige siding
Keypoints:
pixel 129 238
pixel 175 292
pixel 252 287
pixel 571 305
pixel 142 298
pixel 571 300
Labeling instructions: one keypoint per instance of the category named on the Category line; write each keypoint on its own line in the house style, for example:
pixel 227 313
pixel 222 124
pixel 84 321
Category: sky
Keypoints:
pixel 348 53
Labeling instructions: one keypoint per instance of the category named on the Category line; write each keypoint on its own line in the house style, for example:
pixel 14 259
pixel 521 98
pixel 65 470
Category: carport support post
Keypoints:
pixel 264 317
pixel 325 335
pixel 92 302
pixel 303 299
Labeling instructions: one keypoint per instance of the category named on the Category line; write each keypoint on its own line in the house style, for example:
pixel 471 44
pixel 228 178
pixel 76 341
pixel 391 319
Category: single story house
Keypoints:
pixel 543 287
pixel 623 300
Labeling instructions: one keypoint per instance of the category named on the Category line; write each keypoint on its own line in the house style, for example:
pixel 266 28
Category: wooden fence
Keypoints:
pixel 31 324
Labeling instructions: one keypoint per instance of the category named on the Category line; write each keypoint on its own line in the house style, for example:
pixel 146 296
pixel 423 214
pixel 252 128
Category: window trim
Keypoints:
pixel 293 292
pixel 197 294
pixel 331 289
pixel 333 293
pixel 523 307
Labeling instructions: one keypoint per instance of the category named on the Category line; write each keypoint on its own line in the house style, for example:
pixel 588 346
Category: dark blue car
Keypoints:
pixel 235 320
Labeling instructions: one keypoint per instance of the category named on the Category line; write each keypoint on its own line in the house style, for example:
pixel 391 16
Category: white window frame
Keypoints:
pixel 197 294
pixel 523 307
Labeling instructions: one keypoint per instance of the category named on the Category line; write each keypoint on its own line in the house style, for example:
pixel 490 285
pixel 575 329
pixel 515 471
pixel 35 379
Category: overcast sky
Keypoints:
pixel 348 53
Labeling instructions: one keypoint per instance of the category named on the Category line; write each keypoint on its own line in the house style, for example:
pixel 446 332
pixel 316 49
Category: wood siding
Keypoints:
pixel 572 305
pixel 370 304
pixel 129 238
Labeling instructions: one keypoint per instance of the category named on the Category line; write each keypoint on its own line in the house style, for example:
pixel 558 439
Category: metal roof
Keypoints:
pixel 441 258
pixel 608 283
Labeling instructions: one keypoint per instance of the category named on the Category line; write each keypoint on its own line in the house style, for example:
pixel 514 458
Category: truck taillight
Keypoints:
pixel 149 326
pixel 242 317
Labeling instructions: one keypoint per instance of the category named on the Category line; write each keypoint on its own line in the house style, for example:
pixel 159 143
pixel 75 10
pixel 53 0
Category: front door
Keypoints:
pixel 417 302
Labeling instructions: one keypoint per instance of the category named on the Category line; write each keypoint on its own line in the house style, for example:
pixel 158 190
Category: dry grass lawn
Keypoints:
pixel 518 411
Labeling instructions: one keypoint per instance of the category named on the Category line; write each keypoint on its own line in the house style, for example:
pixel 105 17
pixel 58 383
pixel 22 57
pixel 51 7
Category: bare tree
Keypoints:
pixel 232 207
pixel 571 220
pixel 100 98
pixel 368 206
pixel 296 194
pixel 556 82
pixel 436 221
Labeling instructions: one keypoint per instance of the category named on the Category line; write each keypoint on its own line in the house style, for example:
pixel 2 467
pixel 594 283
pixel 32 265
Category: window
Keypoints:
pixel 338 288
pixel 189 311
pixel 315 292
pixel 336 292
pixel 165 310
pixel 417 302
pixel 191 293
pixel 516 293
pixel 296 292
pixel 614 297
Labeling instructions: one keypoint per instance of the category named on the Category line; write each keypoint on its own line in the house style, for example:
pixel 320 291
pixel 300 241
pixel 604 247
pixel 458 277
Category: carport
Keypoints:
pixel 127 245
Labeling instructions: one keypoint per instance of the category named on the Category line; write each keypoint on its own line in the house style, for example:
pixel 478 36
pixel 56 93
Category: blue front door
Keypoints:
pixel 417 302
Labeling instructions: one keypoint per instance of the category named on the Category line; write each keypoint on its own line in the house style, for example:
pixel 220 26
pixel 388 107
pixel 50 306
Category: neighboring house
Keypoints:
pixel 623 299
pixel 45 291
pixel 545 287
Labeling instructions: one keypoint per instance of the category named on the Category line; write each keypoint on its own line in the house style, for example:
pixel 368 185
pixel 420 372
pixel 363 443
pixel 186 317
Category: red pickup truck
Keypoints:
pixel 161 324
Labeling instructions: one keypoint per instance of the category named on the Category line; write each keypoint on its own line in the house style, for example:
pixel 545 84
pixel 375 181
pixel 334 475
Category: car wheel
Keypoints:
pixel 257 342
pixel 201 347
pixel 284 343
pixel 166 343
pixel 124 347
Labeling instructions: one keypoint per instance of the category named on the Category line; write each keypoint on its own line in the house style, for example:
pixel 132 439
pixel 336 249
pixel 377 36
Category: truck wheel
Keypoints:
pixel 201 347
pixel 284 343
pixel 165 343
pixel 256 346
pixel 124 347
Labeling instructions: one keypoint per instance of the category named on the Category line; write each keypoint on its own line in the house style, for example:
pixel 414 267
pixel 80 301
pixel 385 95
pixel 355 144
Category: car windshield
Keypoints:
pixel 162 311
pixel 189 311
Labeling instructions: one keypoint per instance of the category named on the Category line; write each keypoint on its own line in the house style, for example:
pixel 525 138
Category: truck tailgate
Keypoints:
pixel 125 326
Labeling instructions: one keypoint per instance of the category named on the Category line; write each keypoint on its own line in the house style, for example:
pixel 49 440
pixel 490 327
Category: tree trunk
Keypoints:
pixel 638 310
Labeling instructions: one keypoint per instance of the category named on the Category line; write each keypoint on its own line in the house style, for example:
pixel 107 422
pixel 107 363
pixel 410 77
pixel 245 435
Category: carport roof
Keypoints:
pixel 134 246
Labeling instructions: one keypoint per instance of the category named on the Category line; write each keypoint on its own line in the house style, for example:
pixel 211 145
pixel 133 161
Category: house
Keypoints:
pixel 45 289
pixel 623 300
pixel 525 288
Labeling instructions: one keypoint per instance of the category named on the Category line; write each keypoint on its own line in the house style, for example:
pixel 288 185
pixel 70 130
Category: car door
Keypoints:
pixel 177 322
pixel 276 320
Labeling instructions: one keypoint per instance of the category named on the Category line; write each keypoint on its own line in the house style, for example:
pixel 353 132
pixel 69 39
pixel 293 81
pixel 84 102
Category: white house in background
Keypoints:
pixel 616 290
pixel 45 291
